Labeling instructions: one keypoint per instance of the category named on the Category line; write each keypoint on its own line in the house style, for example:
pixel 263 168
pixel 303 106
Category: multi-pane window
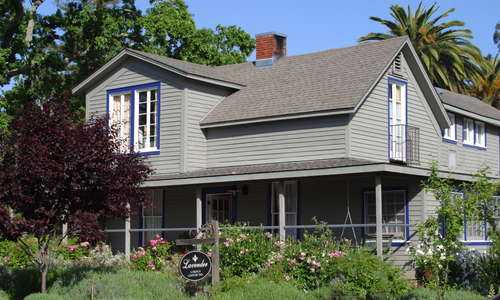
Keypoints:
pixel 468 131
pixel 473 230
pixel 146 119
pixel 291 199
pixel 449 133
pixel 152 216
pixel 219 207
pixel 393 212
pixel 120 118
pixel 480 139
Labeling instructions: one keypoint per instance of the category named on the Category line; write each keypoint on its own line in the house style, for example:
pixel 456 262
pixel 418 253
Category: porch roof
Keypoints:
pixel 282 170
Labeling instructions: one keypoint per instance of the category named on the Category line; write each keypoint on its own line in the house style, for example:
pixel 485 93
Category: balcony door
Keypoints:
pixel 397 120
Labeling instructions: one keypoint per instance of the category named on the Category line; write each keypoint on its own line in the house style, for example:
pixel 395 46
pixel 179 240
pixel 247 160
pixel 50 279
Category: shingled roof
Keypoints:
pixel 329 80
pixel 468 103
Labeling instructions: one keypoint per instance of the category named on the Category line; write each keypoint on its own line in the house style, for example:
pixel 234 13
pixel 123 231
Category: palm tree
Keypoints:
pixel 443 47
pixel 487 87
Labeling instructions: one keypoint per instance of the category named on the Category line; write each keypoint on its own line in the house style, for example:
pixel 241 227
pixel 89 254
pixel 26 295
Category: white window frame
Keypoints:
pixel 468 127
pixel 387 229
pixel 479 137
pixel 148 119
pixel 125 147
pixel 465 236
pixel 156 218
pixel 450 133
pixel 210 205
pixel 397 134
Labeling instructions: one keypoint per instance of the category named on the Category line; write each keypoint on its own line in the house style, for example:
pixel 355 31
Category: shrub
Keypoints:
pixel 245 251
pixel 431 294
pixel 152 257
pixel 102 256
pixel 73 251
pixel 122 284
pixel 260 289
pixel 13 256
pixel 308 263
pixel 40 296
pixel 3 295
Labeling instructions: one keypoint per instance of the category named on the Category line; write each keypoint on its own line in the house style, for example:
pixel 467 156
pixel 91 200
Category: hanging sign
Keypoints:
pixel 195 266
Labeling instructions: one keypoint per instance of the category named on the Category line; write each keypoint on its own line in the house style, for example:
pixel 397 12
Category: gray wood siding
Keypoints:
pixel 469 160
pixel 369 125
pixel 200 100
pixel 280 141
pixel 133 72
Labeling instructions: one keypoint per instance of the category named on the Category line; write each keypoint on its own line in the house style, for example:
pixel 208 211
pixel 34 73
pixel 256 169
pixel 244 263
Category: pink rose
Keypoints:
pixel 279 244
pixel 292 261
pixel 72 248
pixel 335 254
pixel 157 237
pixel 318 264
pixel 313 270
pixel 287 277
pixel 85 244
pixel 242 252
pixel 135 256
pixel 153 242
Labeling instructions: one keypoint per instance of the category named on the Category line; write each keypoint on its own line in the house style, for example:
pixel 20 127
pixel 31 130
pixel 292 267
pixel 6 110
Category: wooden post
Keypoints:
pixel 127 235
pixel 199 213
pixel 378 212
pixel 65 232
pixel 215 253
pixel 282 211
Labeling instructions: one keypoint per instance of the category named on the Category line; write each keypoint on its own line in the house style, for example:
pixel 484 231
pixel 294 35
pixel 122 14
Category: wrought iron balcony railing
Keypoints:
pixel 404 144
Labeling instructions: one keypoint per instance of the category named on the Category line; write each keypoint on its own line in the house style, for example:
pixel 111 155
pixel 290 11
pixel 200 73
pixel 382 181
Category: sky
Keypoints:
pixel 315 25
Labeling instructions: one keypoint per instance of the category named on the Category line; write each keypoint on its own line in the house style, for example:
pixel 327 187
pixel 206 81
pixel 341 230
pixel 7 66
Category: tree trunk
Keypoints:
pixel 43 273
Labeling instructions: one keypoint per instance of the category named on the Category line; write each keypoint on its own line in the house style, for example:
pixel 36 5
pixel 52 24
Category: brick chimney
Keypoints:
pixel 270 45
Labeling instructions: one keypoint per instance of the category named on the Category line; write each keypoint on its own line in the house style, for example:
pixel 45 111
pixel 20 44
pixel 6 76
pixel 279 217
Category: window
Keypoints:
pixel 119 111
pixel 479 137
pixel 468 131
pixel 393 212
pixel 291 199
pixel 397 119
pixel 473 230
pixel 136 112
pixel 152 216
pixel 450 133
pixel 146 120
pixel 220 207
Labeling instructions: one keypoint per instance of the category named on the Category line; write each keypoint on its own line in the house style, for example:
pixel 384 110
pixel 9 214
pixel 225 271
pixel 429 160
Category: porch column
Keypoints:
pixel 127 235
pixel 378 212
pixel 199 209
pixel 282 210
pixel 64 232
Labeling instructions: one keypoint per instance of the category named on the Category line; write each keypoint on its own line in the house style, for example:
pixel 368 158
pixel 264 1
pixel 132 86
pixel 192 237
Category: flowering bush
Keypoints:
pixel 310 262
pixel 12 256
pixel 152 257
pixel 73 251
pixel 245 251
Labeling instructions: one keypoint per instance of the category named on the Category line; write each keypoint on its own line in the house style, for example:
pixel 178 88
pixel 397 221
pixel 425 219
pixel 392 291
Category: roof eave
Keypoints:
pixel 277 118
pixel 472 115
pixel 126 53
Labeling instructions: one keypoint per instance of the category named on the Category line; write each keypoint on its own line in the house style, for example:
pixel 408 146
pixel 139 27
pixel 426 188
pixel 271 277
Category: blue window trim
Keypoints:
pixel 474 135
pixel 132 90
pixel 407 211
pixel 474 243
pixel 389 81
pixel 219 190
pixel 449 141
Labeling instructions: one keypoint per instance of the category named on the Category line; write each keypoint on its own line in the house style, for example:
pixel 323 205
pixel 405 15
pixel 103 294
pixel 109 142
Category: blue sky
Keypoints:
pixel 316 25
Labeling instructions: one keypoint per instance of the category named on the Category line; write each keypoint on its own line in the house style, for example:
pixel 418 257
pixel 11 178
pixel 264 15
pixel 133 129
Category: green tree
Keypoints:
pixel 444 47
pixel 80 36
pixel 487 85
pixel 496 36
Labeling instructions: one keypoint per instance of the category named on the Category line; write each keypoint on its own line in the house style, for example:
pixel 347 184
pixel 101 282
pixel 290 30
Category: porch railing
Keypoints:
pixel 361 228
pixel 404 144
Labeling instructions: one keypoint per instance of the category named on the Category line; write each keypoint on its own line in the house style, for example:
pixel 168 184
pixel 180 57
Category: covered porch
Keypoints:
pixel 373 208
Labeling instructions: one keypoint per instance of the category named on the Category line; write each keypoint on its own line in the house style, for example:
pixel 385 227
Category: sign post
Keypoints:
pixel 196 265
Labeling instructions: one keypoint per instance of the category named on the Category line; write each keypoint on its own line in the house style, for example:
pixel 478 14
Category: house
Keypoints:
pixel 344 135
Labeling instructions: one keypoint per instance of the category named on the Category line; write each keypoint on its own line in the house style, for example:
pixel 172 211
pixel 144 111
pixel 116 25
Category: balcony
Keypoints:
pixel 404 144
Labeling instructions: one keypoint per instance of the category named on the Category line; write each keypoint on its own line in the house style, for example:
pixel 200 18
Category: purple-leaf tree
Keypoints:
pixel 56 169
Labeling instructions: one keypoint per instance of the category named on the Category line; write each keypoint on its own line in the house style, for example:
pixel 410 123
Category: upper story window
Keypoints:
pixel 480 134
pixel 146 129
pixel 136 112
pixel 120 117
pixel 468 135
pixel 450 133
pixel 474 133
